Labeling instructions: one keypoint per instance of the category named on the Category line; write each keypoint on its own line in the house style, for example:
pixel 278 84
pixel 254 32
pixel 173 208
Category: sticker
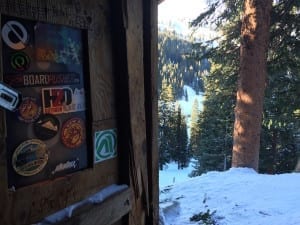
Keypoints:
pixel 29 110
pixel 60 100
pixel 73 133
pixel 20 61
pixel 46 127
pixel 30 157
pixel 105 145
pixel 66 166
pixel 42 79
pixel 58 44
pixel 15 35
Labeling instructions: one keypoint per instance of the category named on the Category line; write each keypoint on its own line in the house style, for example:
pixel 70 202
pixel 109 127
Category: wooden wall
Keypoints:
pixel 122 46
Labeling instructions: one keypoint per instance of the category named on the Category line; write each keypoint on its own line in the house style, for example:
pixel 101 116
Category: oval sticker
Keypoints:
pixel 30 157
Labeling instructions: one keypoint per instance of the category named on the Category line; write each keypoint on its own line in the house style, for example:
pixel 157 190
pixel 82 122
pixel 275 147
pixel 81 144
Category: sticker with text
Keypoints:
pixel 30 157
pixel 66 166
pixel 58 100
pixel 105 145
pixel 41 79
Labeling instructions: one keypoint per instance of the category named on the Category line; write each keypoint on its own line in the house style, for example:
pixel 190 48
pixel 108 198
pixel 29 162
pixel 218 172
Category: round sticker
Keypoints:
pixel 46 127
pixel 30 157
pixel 20 61
pixel 15 35
pixel 29 110
pixel 73 133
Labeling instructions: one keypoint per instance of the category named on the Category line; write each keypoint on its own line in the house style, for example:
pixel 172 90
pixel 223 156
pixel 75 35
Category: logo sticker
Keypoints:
pixel 46 127
pixel 60 100
pixel 42 79
pixel 30 157
pixel 66 166
pixel 15 35
pixel 20 61
pixel 105 145
pixel 29 110
pixel 73 133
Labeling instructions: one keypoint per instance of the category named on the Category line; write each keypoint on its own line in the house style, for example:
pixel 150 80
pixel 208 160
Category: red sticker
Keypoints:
pixel 73 133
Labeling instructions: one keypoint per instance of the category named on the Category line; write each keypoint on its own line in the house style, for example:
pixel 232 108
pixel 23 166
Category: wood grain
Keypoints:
pixel 138 157
pixel 150 68
pixel 32 203
pixel 106 213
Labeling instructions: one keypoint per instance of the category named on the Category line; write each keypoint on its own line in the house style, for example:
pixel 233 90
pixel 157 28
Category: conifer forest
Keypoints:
pixel 211 66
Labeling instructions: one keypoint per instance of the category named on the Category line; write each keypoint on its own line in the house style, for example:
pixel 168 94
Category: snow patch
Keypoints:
pixel 239 196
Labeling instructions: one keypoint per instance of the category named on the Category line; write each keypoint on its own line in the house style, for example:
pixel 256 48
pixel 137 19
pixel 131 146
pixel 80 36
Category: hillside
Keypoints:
pixel 236 197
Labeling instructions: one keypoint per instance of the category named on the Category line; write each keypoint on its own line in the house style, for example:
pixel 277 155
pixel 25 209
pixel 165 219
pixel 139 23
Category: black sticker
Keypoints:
pixel 19 61
pixel 46 127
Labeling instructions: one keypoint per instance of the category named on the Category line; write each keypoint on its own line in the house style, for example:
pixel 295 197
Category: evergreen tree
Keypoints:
pixel 194 131
pixel 166 112
pixel 175 66
pixel 186 96
pixel 181 155
pixel 281 101
pixel 251 83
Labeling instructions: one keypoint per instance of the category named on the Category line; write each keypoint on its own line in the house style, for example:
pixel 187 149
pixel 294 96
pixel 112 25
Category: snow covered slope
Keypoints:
pixel 239 196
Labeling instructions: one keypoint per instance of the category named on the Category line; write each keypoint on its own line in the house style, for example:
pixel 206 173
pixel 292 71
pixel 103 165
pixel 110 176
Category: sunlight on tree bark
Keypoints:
pixel 251 83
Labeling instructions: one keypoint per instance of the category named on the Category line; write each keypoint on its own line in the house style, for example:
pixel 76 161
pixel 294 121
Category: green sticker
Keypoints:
pixel 105 145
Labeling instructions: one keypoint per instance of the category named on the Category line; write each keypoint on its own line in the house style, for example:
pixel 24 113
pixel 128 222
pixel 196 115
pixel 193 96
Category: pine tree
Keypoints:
pixel 194 132
pixel 184 153
pixel 166 116
pixel 186 96
pixel 281 103
pixel 181 155
pixel 251 84
pixel 174 64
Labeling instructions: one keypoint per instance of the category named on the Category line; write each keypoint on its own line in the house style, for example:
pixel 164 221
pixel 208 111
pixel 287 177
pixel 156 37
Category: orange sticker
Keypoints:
pixel 73 133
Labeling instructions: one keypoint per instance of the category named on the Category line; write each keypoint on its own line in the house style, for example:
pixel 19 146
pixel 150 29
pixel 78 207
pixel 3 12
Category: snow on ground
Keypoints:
pixel 171 175
pixel 239 196
pixel 186 106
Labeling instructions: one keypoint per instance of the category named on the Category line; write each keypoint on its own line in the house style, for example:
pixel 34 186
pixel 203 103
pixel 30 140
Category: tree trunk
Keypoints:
pixel 251 83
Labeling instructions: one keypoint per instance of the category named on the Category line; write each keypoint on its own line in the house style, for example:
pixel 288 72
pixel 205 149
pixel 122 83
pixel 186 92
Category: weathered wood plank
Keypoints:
pixel 32 203
pixel 135 55
pixel 105 213
pixel 150 65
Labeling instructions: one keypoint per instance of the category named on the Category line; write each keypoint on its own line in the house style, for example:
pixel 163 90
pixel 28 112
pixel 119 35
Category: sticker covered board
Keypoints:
pixel 48 65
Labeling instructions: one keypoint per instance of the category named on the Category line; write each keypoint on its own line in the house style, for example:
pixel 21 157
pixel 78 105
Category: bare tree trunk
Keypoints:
pixel 251 83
